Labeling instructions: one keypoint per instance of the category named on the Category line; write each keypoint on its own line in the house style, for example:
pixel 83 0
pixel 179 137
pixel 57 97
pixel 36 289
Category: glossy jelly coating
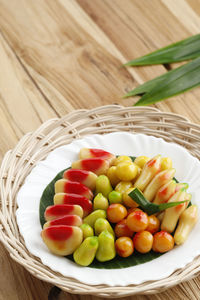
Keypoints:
pixel 103 185
pixel 100 202
pixel 116 212
pixel 123 186
pixel 159 180
pixel 165 192
pixel 71 220
pixel 124 246
pixel 137 221
pixel 186 222
pixel 96 153
pixel 127 200
pixel 62 198
pixel 172 214
pixel 121 229
pixel 151 168
pixel 166 163
pixel 111 173
pixel 91 218
pixel 163 242
pixel 106 250
pixel 56 211
pixel 72 187
pixel 85 253
pixel 62 239
pixel 121 159
pixel 85 177
pixel 87 230
pixel 153 224
pixel 126 171
pixel 143 241
pixel 115 197
pixel 102 224
pixel 140 161
pixel 98 166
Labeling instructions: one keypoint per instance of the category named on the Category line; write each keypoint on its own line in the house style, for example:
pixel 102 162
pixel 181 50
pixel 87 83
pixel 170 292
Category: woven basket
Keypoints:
pixel 34 147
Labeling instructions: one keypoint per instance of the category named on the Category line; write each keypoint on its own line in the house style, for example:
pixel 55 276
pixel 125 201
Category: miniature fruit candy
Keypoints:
pixel 116 212
pixel 166 163
pixel 87 230
pixel 106 250
pixel 111 173
pixel 85 177
pixel 71 220
pixel 159 180
pixel 124 246
pixel 62 198
pixel 121 229
pixel 137 221
pixel 143 241
pixel 153 224
pixel 140 161
pixel 91 218
pixel 96 165
pixel 100 202
pixel 165 192
pixel 123 186
pixel 115 197
pixel 56 211
pixel 103 185
pixel 151 168
pixel 122 158
pixel 172 214
pixel 96 153
pixel 187 221
pixel 126 171
pixel 180 185
pixel 72 187
pixel 102 224
pixel 62 239
pixel 163 242
pixel 127 200
pixel 85 253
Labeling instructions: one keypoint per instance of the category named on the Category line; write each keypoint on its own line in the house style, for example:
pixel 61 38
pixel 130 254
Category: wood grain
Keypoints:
pixel 56 56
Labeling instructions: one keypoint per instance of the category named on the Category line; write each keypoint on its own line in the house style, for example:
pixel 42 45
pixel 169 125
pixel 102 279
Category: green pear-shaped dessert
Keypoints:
pixel 100 202
pixel 106 250
pixel 102 224
pixel 96 214
pixel 87 230
pixel 103 185
pixel 85 253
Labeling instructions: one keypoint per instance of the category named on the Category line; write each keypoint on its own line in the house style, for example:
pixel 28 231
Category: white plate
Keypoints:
pixel 28 199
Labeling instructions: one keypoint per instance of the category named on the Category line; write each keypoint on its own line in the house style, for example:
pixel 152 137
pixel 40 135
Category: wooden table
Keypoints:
pixel 61 55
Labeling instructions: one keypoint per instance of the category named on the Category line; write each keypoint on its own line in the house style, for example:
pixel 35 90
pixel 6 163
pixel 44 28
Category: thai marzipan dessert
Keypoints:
pixel 95 215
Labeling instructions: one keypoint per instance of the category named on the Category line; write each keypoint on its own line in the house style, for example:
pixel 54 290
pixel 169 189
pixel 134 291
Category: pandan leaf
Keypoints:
pixel 147 206
pixel 180 51
pixel 169 84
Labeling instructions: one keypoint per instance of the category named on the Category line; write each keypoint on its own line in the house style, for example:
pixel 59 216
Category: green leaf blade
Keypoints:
pixel 149 207
pixel 173 83
pixel 183 50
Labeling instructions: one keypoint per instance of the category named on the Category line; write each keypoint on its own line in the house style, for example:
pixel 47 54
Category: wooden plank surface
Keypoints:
pixel 56 56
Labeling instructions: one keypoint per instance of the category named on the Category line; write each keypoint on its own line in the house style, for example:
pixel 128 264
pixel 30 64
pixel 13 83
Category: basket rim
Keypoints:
pixel 11 155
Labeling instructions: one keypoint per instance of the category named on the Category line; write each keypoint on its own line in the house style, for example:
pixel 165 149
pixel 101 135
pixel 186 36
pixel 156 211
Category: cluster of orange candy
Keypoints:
pixel 134 229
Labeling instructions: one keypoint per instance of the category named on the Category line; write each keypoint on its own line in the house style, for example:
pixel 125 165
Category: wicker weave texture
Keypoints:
pixel 35 146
